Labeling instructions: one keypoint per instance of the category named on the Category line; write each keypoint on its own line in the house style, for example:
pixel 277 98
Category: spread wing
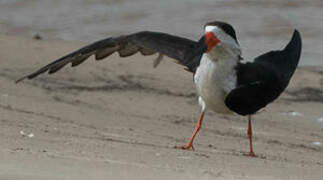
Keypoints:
pixel 262 81
pixel 145 42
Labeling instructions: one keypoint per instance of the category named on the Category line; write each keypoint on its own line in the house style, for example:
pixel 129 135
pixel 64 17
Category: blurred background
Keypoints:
pixel 262 25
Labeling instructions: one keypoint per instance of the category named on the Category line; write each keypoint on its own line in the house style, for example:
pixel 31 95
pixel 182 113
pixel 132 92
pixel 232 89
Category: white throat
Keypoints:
pixel 228 47
pixel 223 53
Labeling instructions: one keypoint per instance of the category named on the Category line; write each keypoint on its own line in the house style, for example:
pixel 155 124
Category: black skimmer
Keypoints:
pixel 224 84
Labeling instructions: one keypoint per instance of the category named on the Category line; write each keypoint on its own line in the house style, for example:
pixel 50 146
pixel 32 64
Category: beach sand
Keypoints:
pixel 120 119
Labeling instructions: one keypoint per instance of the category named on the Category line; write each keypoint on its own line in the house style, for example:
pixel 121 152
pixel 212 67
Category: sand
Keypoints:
pixel 120 119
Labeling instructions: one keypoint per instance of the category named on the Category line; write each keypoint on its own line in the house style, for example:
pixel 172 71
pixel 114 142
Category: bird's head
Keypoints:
pixel 220 39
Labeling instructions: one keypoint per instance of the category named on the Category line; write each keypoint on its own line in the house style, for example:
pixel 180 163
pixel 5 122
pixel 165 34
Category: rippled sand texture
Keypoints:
pixel 120 119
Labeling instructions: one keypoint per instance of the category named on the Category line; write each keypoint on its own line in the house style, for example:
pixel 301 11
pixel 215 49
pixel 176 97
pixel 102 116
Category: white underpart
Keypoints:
pixel 214 80
pixel 216 75
pixel 202 104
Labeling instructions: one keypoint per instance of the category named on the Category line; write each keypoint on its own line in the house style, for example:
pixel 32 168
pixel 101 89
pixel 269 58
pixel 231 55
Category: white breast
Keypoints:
pixel 214 79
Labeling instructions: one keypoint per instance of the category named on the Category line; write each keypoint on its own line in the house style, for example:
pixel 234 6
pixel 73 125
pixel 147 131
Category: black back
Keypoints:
pixel 262 81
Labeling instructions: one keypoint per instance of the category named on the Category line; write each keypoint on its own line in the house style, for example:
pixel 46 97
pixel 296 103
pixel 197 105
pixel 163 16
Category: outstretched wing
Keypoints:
pixel 145 42
pixel 262 81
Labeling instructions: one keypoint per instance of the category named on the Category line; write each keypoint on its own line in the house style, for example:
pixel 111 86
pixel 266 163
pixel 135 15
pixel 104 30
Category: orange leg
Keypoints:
pixel 189 144
pixel 251 153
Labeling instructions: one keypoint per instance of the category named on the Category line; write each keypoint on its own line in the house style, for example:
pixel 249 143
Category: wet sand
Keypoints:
pixel 120 119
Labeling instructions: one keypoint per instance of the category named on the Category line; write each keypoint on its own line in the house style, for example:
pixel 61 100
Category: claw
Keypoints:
pixel 185 147
pixel 251 154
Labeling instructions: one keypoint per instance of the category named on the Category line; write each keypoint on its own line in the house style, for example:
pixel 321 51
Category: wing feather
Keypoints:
pixel 146 51
pixel 146 42
pixel 103 53
pixel 78 60
pixel 128 50
pixel 263 80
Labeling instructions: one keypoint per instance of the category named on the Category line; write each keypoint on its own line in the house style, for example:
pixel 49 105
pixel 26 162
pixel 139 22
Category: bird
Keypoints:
pixel 224 82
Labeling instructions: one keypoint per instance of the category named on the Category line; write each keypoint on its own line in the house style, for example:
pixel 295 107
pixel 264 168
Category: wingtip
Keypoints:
pixel 296 31
pixel 29 76
pixel 296 34
pixel 21 79
pixel 296 42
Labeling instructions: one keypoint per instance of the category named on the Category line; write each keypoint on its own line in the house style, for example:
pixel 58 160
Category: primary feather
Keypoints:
pixel 263 80
pixel 145 42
